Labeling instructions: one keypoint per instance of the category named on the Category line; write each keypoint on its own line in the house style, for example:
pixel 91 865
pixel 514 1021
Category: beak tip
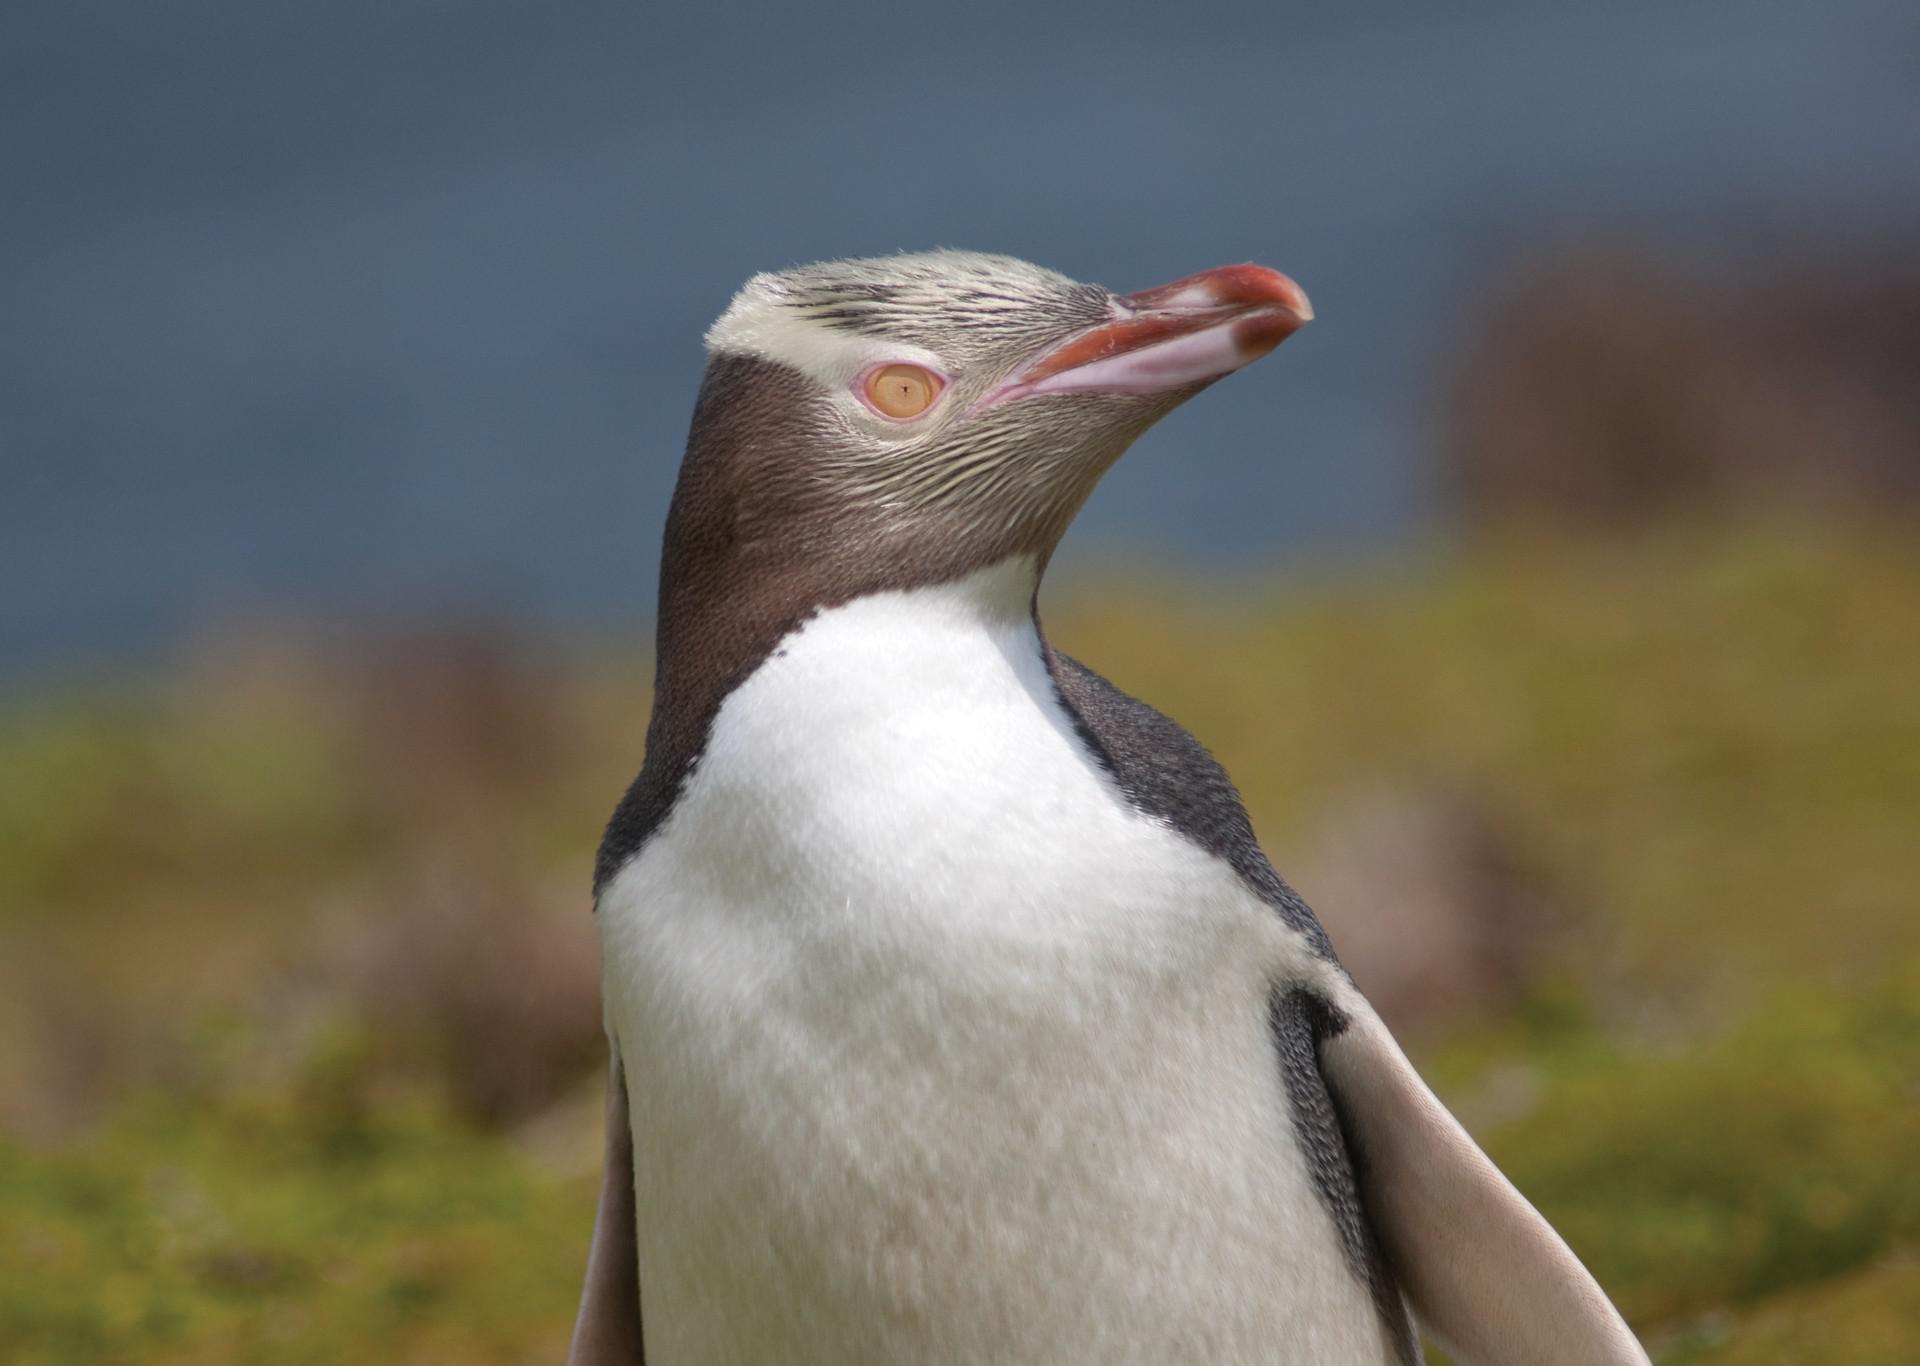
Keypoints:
pixel 1276 306
pixel 1260 285
pixel 1247 286
pixel 1259 332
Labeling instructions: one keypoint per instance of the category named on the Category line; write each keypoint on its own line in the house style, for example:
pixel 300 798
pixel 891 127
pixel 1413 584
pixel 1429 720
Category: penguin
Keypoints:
pixel 955 1014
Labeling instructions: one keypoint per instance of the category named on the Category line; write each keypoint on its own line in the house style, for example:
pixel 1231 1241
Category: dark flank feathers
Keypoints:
pixel 1169 775
pixel 1300 1021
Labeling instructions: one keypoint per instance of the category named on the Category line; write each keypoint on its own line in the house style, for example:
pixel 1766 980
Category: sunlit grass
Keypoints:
pixel 296 1226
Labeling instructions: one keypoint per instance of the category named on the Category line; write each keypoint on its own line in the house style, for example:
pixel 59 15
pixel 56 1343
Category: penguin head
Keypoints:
pixel 930 413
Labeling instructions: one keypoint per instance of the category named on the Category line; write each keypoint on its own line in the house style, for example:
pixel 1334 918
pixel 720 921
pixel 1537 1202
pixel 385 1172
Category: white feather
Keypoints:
pixel 760 324
pixel 769 316
pixel 938 1051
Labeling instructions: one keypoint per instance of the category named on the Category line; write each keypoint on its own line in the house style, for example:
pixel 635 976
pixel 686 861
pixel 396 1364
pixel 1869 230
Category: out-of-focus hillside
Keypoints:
pixel 298 1016
pixel 1603 385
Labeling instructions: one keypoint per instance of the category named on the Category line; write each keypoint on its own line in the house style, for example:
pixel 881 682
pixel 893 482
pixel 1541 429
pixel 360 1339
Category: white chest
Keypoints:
pixel 937 1049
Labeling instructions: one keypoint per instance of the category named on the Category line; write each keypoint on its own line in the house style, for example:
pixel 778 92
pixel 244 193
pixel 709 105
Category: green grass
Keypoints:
pixel 1775 1156
pixel 1712 1087
pixel 313 1222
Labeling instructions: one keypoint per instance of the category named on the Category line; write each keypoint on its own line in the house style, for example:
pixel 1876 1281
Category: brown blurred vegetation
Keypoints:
pixel 299 1019
pixel 1604 387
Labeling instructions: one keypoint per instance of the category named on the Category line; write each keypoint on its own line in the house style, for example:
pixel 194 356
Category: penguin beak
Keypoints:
pixel 1180 335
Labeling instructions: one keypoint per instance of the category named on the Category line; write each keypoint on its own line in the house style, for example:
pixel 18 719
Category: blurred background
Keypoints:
pixel 1553 598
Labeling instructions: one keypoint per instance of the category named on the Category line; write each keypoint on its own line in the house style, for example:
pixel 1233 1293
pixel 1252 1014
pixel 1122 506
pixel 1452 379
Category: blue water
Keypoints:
pixel 334 308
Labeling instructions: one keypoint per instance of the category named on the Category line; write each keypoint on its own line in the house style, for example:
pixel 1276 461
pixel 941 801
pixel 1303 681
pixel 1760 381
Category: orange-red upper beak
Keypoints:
pixel 1186 333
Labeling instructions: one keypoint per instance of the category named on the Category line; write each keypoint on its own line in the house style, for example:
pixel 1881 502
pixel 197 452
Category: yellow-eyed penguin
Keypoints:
pixel 956 1015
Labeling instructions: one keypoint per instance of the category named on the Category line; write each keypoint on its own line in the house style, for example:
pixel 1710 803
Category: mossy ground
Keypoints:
pixel 1713 1088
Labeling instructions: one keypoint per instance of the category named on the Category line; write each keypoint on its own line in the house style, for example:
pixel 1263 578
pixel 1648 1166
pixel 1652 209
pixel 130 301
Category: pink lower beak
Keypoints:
pixel 1186 333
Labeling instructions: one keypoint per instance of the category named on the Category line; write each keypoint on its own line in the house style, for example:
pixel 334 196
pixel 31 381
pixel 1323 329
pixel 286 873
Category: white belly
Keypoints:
pixel 940 1052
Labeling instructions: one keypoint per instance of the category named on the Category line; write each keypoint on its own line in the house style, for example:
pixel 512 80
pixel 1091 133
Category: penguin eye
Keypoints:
pixel 901 391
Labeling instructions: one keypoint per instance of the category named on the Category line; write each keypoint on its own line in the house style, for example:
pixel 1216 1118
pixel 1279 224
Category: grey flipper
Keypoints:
pixel 1486 1274
pixel 607 1331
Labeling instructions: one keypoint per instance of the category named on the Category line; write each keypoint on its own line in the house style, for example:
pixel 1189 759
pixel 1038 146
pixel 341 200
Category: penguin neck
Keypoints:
pixel 745 563
pixel 993 597
pixel 727 602
pixel 711 641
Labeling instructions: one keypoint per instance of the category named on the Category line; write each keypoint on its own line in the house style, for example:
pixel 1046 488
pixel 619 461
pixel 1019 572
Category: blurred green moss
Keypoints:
pixel 1776 1155
pixel 101 791
pixel 1716 730
pixel 297 1224
pixel 1870 1318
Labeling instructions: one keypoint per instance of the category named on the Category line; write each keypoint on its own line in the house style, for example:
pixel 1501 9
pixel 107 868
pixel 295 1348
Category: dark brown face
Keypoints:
pixel 778 474
pixel 890 423
pixel 912 418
